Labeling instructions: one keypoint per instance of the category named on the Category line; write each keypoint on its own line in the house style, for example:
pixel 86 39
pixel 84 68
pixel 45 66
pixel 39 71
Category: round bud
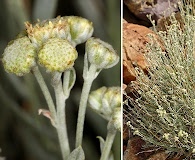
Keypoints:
pixel 101 53
pixel 80 29
pixel 105 100
pixel 19 56
pixel 57 55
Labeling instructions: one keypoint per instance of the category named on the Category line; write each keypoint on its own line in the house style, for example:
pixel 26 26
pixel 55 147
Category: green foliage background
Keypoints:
pixel 23 133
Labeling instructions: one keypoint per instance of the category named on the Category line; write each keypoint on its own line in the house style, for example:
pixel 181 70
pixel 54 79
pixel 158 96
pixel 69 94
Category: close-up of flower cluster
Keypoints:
pixel 50 45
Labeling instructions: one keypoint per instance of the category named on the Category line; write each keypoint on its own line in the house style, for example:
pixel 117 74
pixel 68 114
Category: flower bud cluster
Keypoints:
pixel 40 32
pixel 75 29
pixel 51 43
pixel 107 103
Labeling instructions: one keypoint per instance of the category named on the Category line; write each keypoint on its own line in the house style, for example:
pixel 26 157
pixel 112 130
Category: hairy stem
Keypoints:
pixel 45 91
pixel 61 115
pixel 109 141
pixel 88 79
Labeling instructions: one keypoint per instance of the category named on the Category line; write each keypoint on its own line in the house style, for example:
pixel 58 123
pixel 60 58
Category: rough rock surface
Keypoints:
pixel 156 8
pixel 134 47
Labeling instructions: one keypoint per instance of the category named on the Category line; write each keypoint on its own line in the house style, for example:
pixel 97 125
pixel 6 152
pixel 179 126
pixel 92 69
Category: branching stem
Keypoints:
pixel 61 115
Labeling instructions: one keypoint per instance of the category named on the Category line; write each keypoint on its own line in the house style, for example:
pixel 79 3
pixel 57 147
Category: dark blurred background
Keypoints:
pixel 24 135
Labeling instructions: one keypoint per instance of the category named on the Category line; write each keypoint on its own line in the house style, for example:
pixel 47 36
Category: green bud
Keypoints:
pixel 57 55
pixel 105 100
pixel 100 53
pixel 19 56
pixel 80 29
pixel 40 32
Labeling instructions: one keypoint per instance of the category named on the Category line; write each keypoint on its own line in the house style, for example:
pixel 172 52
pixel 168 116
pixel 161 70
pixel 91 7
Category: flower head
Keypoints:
pixel 57 55
pixel 100 53
pixel 105 100
pixel 40 32
pixel 19 56
pixel 80 29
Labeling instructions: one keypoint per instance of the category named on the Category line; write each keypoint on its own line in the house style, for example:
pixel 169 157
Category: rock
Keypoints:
pixel 134 47
pixel 158 156
pixel 156 8
pixel 134 146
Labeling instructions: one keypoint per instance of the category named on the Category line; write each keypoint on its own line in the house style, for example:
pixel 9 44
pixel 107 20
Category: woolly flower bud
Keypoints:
pixel 57 55
pixel 105 100
pixel 80 29
pixel 101 53
pixel 40 32
pixel 19 56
